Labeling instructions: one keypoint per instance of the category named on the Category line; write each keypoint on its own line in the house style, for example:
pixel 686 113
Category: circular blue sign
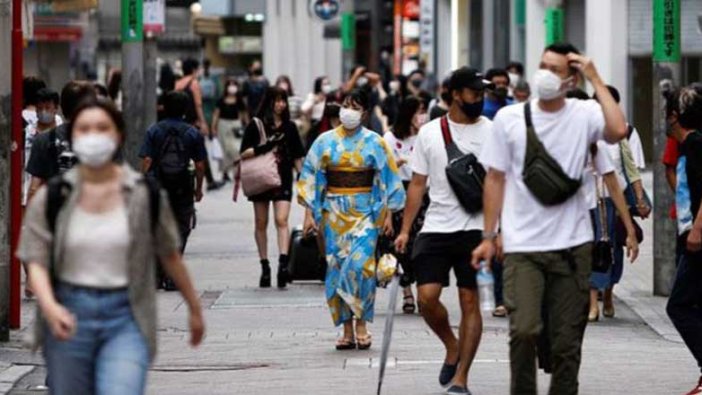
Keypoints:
pixel 325 9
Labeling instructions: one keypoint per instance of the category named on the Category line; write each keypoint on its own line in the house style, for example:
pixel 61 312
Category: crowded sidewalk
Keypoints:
pixel 278 342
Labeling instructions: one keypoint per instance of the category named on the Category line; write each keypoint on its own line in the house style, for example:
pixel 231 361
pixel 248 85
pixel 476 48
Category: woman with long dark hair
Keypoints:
pixel 411 116
pixel 90 241
pixel 282 137
pixel 227 120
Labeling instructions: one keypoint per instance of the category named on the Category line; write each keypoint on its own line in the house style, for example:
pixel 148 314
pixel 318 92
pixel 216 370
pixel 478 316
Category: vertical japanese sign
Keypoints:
pixel 132 21
pixel 154 16
pixel 555 25
pixel 666 30
pixel 426 32
pixel 348 31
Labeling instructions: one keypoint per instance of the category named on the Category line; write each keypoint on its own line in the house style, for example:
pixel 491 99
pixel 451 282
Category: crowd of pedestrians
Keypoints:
pixel 466 174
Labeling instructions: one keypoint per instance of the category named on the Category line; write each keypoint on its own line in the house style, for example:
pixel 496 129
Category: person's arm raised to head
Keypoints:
pixel 615 122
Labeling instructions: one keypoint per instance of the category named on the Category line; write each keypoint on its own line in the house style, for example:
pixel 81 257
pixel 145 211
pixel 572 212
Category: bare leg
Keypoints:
pixel 594 307
pixel 282 213
pixel 261 219
pixel 471 330
pixel 436 316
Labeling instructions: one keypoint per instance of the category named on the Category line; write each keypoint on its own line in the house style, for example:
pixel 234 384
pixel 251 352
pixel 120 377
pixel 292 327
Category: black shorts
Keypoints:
pixel 435 254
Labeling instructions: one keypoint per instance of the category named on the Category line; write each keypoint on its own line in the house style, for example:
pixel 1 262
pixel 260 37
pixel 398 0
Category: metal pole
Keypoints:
pixel 666 69
pixel 5 133
pixel 150 77
pixel 16 165
pixel 133 78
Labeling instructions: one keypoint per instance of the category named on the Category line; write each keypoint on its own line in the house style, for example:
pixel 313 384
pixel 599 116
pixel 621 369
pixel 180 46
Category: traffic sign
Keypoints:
pixel 325 10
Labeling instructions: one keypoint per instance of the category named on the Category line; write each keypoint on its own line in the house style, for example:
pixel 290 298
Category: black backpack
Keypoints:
pixel 171 164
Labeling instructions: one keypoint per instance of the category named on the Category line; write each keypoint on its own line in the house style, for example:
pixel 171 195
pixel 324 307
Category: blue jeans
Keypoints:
pixel 108 355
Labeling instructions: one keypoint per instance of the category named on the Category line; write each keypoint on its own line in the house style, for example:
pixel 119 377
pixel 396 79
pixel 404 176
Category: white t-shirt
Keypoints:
pixel 527 225
pixel 637 149
pixel 401 149
pixel 429 158
pixel 601 165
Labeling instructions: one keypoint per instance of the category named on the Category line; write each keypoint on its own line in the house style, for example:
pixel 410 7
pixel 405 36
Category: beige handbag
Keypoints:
pixel 259 173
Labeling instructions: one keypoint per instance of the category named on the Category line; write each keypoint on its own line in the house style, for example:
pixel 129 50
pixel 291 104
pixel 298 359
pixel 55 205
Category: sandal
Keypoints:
pixel 408 304
pixel 500 312
pixel 364 341
pixel 345 343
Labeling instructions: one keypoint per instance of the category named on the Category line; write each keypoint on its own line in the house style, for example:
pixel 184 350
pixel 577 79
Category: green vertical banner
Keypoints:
pixel 132 21
pixel 555 25
pixel 348 31
pixel 666 30
pixel 520 12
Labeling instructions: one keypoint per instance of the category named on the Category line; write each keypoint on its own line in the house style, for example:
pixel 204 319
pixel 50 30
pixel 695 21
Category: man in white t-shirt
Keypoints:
pixel 449 233
pixel 548 248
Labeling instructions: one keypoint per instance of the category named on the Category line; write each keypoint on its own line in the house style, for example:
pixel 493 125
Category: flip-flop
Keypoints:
pixel 408 304
pixel 345 344
pixel 364 341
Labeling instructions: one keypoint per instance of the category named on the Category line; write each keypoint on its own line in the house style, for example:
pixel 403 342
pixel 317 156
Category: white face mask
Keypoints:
pixel 361 82
pixel 351 119
pixel 232 90
pixel 95 149
pixel 327 89
pixel 548 85
pixel 395 86
pixel 514 79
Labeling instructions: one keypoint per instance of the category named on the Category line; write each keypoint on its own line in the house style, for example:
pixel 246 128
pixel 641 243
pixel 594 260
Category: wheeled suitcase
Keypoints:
pixel 306 263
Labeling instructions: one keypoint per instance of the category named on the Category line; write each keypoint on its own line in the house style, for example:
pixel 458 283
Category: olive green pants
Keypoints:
pixel 558 281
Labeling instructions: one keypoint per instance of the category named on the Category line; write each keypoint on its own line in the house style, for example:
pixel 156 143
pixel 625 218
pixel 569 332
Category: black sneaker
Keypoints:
pixel 457 390
pixel 447 373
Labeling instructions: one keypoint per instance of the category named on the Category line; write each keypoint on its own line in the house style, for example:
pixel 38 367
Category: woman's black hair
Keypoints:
pixel 691 107
pixel 266 109
pixel 115 84
pixel 672 102
pixel 405 114
pixel 360 97
pixel 100 89
pixel 229 82
pixel 318 82
pixel 286 79
pixel 30 86
pixel 105 105
pixel 167 79
pixel 190 65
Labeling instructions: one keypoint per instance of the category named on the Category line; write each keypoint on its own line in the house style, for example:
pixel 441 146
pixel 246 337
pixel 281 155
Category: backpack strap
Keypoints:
pixel 451 148
pixel 154 201
pixel 58 191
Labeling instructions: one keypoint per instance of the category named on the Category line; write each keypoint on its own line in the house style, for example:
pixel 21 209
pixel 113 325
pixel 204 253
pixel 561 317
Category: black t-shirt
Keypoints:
pixel 691 148
pixel 51 154
pixel 229 111
pixel 289 148
pixel 437 112
pixel 254 89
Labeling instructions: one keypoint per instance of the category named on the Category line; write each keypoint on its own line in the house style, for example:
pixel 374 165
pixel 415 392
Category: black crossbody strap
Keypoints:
pixel 451 147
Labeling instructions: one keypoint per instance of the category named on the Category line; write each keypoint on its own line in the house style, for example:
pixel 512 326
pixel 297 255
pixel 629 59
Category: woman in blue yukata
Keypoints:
pixel 349 185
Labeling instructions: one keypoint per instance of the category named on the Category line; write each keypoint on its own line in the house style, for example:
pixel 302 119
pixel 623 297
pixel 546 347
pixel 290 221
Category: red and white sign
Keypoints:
pixel 154 16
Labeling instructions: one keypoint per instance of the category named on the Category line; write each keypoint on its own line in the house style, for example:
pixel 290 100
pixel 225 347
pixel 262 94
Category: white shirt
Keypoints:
pixel 402 149
pixel 601 165
pixel 97 246
pixel 637 149
pixel 527 225
pixel 317 108
pixel 429 158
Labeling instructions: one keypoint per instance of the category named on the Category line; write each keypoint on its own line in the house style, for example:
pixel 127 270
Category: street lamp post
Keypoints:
pixel 133 77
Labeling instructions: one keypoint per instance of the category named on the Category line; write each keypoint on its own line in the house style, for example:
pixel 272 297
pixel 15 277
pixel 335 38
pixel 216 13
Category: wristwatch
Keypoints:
pixel 490 235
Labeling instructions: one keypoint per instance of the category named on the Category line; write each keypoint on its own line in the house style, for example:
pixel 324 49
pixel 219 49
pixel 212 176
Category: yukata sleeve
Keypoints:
pixel 391 189
pixel 312 182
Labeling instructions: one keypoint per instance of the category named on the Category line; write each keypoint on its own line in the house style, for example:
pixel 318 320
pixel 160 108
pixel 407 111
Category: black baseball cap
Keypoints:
pixel 467 77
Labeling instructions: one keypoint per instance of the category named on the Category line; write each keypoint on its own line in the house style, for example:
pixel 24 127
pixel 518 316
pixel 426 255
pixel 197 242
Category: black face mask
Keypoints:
pixel 472 110
pixel 257 72
pixel 446 97
pixel 501 93
pixel 416 83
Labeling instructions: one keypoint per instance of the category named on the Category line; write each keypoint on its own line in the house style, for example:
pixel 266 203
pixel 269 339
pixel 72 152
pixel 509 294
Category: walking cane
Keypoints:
pixel 387 332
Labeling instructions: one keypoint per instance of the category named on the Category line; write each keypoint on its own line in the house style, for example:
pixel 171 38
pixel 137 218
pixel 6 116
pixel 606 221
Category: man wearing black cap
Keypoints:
pixel 450 232
pixel 543 218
